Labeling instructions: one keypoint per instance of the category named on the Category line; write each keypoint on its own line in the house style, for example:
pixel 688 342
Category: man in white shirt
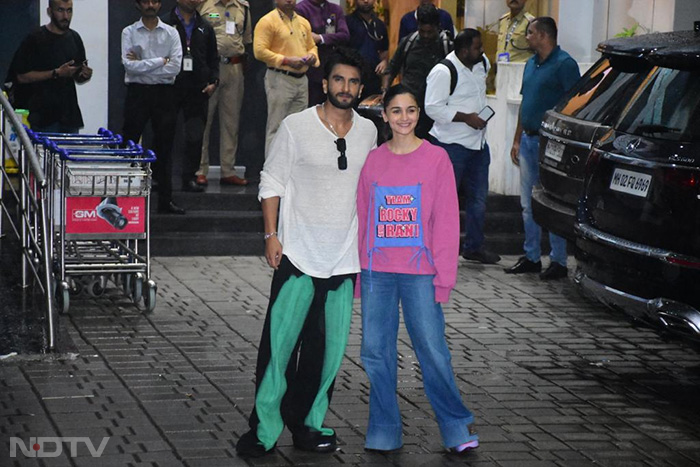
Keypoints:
pixel 311 175
pixel 152 55
pixel 462 133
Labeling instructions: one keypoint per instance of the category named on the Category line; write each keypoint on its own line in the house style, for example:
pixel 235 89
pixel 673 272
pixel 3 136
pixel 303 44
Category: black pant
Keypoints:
pixel 154 102
pixel 194 104
pixel 304 369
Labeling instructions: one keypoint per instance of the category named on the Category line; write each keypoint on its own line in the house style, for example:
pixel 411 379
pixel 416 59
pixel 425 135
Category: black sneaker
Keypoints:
pixel 481 256
pixel 250 446
pixel 314 441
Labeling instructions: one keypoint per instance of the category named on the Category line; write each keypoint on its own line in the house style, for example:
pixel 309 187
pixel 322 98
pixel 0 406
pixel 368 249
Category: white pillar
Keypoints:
pixel 90 20
pixel 582 26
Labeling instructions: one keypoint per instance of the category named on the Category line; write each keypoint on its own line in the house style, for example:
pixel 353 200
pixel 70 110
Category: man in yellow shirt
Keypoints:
pixel 283 41
pixel 512 46
pixel 232 26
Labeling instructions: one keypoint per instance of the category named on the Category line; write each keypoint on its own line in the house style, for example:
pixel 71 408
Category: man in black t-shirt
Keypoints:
pixel 46 67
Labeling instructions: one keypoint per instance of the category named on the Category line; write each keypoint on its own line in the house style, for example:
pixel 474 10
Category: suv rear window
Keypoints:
pixel 602 92
pixel 666 107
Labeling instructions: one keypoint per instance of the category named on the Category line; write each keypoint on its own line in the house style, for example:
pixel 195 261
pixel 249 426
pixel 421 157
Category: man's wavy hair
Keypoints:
pixel 345 56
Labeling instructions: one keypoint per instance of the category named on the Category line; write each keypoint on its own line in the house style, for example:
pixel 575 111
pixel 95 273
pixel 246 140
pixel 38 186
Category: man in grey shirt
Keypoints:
pixel 311 175
pixel 152 55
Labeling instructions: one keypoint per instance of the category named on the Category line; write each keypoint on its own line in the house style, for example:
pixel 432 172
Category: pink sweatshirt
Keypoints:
pixel 408 215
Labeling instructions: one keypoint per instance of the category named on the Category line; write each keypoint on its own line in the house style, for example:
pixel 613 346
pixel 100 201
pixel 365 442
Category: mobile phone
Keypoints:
pixel 486 113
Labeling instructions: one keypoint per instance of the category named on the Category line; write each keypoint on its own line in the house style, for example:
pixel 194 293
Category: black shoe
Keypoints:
pixel 554 271
pixel 192 187
pixel 314 441
pixel 170 208
pixel 250 446
pixel 481 256
pixel 524 265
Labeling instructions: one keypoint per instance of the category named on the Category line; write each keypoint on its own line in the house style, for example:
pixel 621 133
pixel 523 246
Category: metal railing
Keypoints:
pixel 24 206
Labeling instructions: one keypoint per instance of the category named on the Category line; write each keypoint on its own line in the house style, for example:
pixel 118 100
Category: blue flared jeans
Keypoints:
pixel 381 294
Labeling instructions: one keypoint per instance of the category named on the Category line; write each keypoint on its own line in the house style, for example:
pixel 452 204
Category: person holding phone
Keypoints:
pixel 458 107
pixel 46 66
pixel 408 220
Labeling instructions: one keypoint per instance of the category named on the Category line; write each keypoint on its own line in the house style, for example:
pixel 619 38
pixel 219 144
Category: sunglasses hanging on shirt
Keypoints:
pixel 341 147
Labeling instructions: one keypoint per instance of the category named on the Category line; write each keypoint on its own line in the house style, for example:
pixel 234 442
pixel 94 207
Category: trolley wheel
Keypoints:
pixel 95 288
pixel 126 283
pixel 136 288
pixel 75 287
pixel 62 297
pixel 149 296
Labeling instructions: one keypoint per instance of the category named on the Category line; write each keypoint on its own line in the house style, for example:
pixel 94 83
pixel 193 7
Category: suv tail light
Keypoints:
pixel 680 178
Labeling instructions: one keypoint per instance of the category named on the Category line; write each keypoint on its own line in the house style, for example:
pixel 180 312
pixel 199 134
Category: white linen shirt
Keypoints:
pixel 317 223
pixel 152 46
pixel 469 97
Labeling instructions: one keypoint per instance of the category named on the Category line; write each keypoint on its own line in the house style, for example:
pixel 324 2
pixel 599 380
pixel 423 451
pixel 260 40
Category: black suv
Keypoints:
pixel 582 116
pixel 638 222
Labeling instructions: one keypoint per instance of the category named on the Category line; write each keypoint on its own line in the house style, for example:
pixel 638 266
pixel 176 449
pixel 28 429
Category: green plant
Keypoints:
pixel 628 32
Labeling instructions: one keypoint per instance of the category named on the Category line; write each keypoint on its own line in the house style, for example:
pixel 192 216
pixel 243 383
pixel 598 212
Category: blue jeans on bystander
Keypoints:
pixel 472 177
pixel 529 178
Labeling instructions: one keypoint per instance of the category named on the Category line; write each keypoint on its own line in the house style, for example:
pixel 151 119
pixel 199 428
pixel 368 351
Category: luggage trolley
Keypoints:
pixel 101 210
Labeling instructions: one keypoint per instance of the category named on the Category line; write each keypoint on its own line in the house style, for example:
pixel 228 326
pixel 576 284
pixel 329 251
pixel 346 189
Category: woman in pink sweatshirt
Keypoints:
pixel 408 219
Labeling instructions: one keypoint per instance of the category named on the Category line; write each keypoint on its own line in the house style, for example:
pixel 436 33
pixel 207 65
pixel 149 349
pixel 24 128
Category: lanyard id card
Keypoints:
pixel 504 57
pixel 330 25
pixel 187 63
pixel 230 27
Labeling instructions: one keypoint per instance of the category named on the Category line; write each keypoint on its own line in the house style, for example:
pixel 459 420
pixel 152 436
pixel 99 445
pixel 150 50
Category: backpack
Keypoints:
pixel 446 42
pixel 444 38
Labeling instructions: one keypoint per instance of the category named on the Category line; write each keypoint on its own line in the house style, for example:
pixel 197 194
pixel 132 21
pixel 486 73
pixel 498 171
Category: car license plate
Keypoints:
pixel 633 183
pixel 554 150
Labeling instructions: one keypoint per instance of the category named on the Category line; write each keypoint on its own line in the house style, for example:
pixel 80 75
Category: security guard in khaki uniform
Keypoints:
pixel 512 27
pixel 232 25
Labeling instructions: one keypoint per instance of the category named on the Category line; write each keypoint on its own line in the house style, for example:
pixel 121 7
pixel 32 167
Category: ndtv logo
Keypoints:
pixel 48 446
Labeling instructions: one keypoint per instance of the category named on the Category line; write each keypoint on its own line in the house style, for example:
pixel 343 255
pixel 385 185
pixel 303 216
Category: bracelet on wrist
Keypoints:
pixel 268 236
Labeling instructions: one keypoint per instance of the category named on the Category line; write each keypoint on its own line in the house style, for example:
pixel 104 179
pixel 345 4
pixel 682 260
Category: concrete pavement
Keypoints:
pixel 553 379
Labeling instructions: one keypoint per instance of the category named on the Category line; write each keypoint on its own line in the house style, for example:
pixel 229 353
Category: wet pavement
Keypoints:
pixel 22 317
pixel 552 378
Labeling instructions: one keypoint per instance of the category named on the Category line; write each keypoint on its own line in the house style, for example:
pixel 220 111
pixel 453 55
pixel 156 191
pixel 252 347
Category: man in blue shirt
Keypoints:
pixel 368 35
pixel 548 75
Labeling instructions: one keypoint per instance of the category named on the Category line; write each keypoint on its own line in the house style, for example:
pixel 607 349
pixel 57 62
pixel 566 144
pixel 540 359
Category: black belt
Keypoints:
pixel 288 73
pixel 531 133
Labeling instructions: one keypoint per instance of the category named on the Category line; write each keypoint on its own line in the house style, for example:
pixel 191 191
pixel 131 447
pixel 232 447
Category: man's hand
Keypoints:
pixel 309 60
pixel 294 62
pixel 85 73
pixel 67 70
pixel 515 153
pixel 131 55
pixel 316 37
pixel 273 252
pixel 474 121
pixel 381 67
pixel 209 89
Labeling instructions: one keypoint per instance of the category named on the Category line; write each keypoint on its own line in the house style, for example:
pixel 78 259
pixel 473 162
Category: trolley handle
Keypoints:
pixel 72 147
pixel 105 137
pixel 147 156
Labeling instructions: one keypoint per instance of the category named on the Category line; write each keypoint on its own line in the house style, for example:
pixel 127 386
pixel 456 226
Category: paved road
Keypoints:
pixel 553 379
